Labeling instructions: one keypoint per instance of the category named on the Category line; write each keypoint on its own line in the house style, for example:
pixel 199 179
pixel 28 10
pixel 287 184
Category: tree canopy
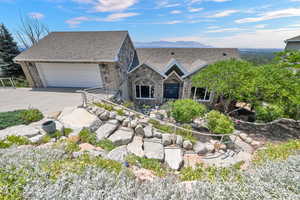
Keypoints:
pixel 8 51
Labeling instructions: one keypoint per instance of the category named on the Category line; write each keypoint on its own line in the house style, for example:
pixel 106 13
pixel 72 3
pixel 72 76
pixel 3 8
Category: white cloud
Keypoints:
pixel 260 26
pixel 166 4
pixel 225 30
pixel 266 38
pixel 36 15
pixel 213 27
pixel 176 12
pixel 113 5
pixel 173 22
pixel 290 12
pixel 190 9
pixel 224 13
pixel 75 22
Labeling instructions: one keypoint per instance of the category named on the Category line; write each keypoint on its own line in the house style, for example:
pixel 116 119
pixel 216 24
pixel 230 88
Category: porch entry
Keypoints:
pixel 171 90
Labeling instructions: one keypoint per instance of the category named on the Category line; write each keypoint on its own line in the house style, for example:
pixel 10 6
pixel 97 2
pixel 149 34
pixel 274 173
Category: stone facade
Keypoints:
pixel 32 75
pixel 146 76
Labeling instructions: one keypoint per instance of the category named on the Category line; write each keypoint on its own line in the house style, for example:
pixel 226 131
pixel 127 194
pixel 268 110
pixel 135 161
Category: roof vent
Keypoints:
pixel 224 54
pixel 172 53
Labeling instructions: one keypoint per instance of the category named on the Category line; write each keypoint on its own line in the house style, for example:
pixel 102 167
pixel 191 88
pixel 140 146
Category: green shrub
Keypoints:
pixel 128 104
pixel 67 131
pixel 11 118
pixel 71 147
pixel 185 110
pixel 219 123
pixel 105 144
pixel 269 113
pixel 105 106
pixel 151 164
pixel 120 112
pixel 87 137
pixel 31 115
pixel 57 134
pixel 277 151
pixel 13 140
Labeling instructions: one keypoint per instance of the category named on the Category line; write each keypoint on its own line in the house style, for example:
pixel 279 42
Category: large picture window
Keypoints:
pixel 144 91
pixel 200 94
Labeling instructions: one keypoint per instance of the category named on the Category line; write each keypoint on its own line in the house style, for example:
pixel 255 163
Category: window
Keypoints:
pixel 144 91
pixel 200 94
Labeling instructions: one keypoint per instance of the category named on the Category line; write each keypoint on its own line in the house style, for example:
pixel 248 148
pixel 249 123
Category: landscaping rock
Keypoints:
pixel 154 150
pixel 54 115
pixel 66 111
pixel 107 129
pixel 112 115
pixel 136 146
pixel 187 145
pixel 156 140
pixel 59 126
pixel 200 148
pixel 249 140
pixel 133 124
pixel 120 118
pixel 179 140
pixel 173 138
pixel 166 139
pixel 192 160
pixel 74 139
pixel 139 130
pixel 243 136
pixel 148 131
pixel 75 132
pixel 20 130
pixel 210 147
pixel 143 174
pixel 104 116
pixel 255 143
pixel 125 122
pixel 122 136
pixel 118 154
pixel 98 111
pixel 157 134
pixel 80 118
pixel 87 147
pixel 36 139
pixel 173 157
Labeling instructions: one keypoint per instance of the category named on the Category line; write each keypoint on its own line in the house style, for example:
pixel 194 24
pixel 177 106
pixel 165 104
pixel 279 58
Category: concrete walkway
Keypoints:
pixel 47 100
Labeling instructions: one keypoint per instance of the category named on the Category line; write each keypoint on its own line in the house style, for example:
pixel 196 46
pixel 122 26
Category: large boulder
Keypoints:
pixel 107 129
pixel 136 146
pixel 20 130
pixel 139 130
pixel 179 140
pixel 154 150
pixel 122 136
pixel 148 131
pixel 80 118
pixel 118 154
pixel 187 145
pixel 166 139
pixel 174 158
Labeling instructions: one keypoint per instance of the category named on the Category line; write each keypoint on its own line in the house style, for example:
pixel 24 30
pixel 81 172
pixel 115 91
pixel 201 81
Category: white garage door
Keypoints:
pixel 70 75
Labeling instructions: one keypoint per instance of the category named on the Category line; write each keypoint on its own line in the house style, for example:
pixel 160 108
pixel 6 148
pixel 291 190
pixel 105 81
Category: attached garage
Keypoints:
pixel 69 75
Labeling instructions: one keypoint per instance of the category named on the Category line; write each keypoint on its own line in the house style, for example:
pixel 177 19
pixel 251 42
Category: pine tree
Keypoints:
pixel 8 51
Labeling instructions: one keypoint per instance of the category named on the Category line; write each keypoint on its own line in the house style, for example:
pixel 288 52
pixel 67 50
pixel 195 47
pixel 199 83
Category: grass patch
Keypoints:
pixel 187 135
pixel 151 164
pixel 106 145
pixel 55 169
pixel 211 173
pixel 13 140
pixel 19 117
pixel 67 131
pixel 105 106
pixel 277 151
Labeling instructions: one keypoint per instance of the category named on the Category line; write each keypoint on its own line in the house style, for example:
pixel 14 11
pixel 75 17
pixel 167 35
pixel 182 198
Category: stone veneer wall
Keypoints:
pixel 32 74
pixel 147 76
pixel 279 128
pixel 111 75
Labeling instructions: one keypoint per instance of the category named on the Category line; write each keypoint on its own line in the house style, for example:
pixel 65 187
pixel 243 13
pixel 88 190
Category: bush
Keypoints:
pixel 268 113
pixel 13 140
pixel 31 115
pixel 219 123
pixel 11 118
pixel 105 144
pixel 105 106
pixel 87 137
pixel 185 110
pixel 67 131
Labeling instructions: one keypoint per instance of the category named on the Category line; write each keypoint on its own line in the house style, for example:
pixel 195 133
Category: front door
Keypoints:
pixel 171 90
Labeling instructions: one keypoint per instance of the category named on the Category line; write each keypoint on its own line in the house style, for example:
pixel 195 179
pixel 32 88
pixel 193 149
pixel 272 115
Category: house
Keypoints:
pixel 109 59
pixel 293 43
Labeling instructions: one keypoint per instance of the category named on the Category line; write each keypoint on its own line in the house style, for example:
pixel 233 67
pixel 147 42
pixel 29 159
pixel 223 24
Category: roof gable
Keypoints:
pixel 97 46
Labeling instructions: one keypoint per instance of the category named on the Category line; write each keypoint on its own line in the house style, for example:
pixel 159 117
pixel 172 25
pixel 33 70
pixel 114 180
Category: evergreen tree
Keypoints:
pixel 8 51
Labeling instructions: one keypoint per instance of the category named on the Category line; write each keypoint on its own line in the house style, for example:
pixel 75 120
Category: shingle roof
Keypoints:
pixel 191 59
pixel 76 47
pixel 294 39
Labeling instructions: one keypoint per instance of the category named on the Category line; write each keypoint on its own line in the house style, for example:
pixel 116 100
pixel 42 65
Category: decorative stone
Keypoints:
pixel 20 130
pixel 200 148
pixel 139 130
pixel 81 118
pixel 155 140
pixel 136 146
pixel 126 122
pixel 36 139
pixel 173 157
pixel 243 136
pixel 173 138
pixel 118 154
pixel 59 126
pixel 255 143
pixel 133 124
pixel 107 129
pixel 166 139
pixel 54 115
pixel 179 140
pixel 248 140
pixel 157 134
pixel 112 115
pixel 143 174
pixel 148 130
pixel 105 115
pixel 66 111
pixel 99 111
pixel 122 136
pixel 88 147
pixel 187 145
pixel 74 139
pixel 210 147
pixel 120 118
pixel 154 150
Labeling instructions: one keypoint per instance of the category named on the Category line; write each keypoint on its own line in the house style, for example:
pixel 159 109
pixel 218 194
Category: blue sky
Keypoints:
pixel 220 23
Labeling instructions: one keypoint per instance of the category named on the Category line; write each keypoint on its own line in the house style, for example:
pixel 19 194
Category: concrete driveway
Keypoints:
pixel 47 100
